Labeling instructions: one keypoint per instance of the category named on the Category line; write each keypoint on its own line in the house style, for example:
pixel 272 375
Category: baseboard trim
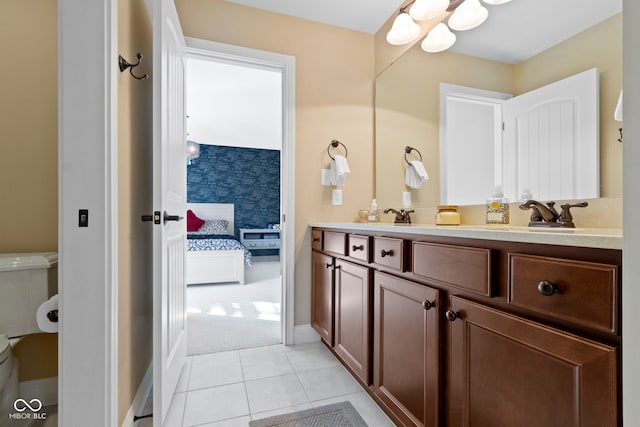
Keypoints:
pixel 304 334
pixel 140 399
pixel 43 389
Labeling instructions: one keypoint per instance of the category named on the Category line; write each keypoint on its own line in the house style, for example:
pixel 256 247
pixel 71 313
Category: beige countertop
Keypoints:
pixel 605 238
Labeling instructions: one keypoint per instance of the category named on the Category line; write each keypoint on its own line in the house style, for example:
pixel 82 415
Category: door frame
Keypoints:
pixel 220 52
pixel 88 179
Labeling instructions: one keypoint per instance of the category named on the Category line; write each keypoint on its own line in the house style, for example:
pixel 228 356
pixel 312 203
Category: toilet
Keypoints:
pixel 26 281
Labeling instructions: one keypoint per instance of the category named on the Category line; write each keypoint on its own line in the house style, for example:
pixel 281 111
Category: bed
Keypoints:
pixel 215 258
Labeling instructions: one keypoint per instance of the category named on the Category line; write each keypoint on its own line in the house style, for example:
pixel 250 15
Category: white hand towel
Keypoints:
pixel 617 115
pixel 416 174
pixel 342 166
pixel 420 170
pixel 334 177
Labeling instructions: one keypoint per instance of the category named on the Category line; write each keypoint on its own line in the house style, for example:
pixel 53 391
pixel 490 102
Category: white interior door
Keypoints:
pixel 551 140
pixel 169 200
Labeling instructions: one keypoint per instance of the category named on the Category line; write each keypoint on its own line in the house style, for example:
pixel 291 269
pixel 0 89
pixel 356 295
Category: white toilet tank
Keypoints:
pixel 26 281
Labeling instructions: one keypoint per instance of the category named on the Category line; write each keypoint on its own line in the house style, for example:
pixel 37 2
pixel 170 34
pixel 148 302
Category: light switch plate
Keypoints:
pixel 336 197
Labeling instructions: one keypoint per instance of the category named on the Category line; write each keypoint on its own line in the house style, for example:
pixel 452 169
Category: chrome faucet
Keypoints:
pixel 402 216
pixel 548 216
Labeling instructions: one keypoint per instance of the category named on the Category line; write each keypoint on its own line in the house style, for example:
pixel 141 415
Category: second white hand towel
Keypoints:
pixel 342 166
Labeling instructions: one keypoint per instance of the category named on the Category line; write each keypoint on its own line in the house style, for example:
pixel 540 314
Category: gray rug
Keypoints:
pixel 337 415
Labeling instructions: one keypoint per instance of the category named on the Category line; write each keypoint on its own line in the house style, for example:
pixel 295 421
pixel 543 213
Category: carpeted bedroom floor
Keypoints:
pixel 222 317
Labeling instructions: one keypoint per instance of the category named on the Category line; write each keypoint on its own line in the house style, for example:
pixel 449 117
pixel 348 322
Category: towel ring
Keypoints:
pixel 408 150
pixel 334 143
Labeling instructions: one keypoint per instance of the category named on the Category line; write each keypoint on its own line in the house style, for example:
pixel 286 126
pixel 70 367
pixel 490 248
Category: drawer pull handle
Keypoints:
pixel 357 248
pixel 427 305
pixel 316 239
pixel 384 253
pixel 547 288
pixel 451 315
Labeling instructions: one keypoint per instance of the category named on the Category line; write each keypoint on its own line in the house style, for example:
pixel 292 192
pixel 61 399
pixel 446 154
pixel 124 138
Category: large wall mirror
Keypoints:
pixel 408 112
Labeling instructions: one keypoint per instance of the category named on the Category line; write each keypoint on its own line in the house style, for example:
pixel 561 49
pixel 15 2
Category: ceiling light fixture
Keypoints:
pixel 423 10
pixel 439 38
pixel 403 30
pixel 466 14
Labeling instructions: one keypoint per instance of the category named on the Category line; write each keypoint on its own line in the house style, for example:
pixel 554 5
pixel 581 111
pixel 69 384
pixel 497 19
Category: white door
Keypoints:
pixel 551 140
pixel 169 201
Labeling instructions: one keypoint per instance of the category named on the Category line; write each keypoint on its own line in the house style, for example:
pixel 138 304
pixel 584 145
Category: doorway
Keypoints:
pixel 240 112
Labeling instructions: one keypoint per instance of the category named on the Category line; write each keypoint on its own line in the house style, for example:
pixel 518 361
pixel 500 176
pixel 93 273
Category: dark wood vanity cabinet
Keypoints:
pixel 352 325
pixel 469 332
pixel 406 350
pixel 341 309
pixel 322 301
pixel 507 371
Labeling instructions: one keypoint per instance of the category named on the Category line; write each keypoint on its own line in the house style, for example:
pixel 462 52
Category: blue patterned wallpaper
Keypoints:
pixel 247 177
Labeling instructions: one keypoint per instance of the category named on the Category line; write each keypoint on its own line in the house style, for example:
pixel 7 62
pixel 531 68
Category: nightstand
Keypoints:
pixel 260 238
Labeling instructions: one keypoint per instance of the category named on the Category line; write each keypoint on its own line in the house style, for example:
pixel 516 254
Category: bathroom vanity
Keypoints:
pixel 458 326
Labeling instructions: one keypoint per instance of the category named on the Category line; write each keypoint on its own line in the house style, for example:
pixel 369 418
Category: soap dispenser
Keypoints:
pixel 374 215
pixel 497 207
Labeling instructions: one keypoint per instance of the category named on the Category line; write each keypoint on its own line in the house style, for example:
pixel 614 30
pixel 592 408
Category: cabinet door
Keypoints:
pixel 406 349
pixel 322 295
pixel 352 335
pixel 506 371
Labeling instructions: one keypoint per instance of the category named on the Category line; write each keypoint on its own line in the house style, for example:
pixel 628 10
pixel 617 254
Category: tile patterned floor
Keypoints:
pixel 229 389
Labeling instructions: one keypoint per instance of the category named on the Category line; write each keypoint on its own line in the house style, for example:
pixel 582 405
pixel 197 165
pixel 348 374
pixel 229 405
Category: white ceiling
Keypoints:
pixel 513 31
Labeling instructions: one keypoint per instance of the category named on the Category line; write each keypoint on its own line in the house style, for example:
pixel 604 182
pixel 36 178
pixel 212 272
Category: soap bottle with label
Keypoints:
pixel 497 207
pixel 374 215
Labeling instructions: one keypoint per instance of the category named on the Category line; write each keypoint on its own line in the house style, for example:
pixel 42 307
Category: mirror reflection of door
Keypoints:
pixel 544 143
pixel 470 144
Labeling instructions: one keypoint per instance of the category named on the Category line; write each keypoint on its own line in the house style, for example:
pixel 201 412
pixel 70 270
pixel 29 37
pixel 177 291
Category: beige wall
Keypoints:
pixel 29 150
pixel 29 126
pixel 135 297
pixel 334 100
pixel 601 47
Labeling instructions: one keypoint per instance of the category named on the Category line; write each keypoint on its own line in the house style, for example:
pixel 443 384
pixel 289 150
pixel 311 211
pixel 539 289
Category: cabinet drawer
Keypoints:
pixel 335 242
pixel 262 244
pixel 389 252
pixel 316 240
pixel 359 247
pixel 581 292
pixel 459 266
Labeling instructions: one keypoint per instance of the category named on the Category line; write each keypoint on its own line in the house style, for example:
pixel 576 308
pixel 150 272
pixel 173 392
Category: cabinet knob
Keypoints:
pixel 451 315
pixel 547 288
pixel 384 253
pixel 328 265
pixel 357 248
pixel 427 305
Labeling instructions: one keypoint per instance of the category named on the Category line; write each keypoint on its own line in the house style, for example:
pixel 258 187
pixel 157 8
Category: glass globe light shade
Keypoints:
pixel 423 10
pixel 438 39
pixel 403 30
pixel 468 15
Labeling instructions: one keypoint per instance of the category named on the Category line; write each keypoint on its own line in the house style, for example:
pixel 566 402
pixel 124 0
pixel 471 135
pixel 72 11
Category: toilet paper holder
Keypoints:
pixel 53 315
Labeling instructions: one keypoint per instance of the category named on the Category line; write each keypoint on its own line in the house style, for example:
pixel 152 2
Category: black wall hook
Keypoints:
pixel 124 65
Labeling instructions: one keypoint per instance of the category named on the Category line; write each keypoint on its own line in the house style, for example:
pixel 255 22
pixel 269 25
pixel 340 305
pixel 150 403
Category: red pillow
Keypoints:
pixel 193 222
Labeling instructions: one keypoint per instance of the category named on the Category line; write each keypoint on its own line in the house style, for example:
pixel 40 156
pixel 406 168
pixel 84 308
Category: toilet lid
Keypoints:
pixel 5 348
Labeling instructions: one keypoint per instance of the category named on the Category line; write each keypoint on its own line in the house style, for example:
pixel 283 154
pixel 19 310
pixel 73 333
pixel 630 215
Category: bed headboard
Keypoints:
pixel 214 211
